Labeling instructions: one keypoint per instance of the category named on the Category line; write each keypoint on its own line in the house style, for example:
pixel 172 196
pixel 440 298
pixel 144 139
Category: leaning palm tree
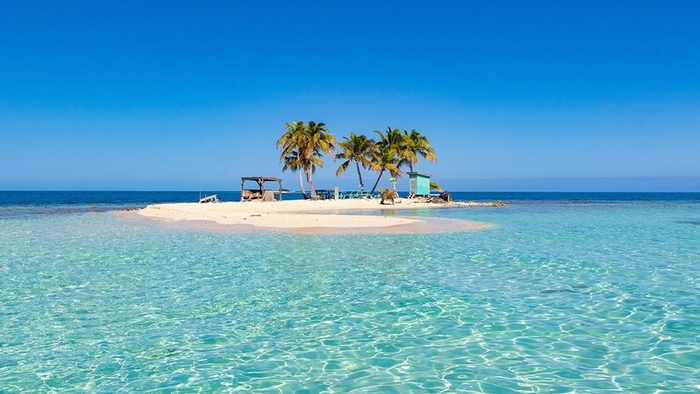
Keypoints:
pixel 357 148
pixel 415 144
pixel 384 159
pixel 390 147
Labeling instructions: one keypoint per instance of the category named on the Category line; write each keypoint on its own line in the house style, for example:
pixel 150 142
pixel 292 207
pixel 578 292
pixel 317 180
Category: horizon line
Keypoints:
pixel 299 192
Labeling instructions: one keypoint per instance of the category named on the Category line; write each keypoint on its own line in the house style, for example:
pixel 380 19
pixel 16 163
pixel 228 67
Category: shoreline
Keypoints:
pixel 303 216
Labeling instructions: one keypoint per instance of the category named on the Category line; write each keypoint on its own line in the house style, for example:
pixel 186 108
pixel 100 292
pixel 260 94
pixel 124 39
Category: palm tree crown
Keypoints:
pixel 387 154
pixel 395 150
pixel 358 149
pixel 289 155
pixel 415 144
pixel 303 145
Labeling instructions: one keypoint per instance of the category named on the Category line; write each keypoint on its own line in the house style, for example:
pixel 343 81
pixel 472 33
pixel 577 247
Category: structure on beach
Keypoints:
pixel 260 193
pixel 207 199
pixel 419 184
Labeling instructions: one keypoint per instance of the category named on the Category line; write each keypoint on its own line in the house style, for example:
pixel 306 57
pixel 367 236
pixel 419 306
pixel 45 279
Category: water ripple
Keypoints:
pixel 556 299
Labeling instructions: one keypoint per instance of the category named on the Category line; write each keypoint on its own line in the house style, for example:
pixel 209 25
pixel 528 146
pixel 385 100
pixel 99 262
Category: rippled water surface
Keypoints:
pixel 560 296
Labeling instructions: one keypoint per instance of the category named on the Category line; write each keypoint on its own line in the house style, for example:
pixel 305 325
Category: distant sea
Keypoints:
pixel 568 292
pixel 81 201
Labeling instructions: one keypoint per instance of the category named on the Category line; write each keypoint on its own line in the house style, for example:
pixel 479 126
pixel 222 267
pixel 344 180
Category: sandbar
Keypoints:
pixel 306 216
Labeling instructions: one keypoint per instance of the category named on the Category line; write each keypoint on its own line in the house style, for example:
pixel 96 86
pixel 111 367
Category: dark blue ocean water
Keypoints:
pixel 139 199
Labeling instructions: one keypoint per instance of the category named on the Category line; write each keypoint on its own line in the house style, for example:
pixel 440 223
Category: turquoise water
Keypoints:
pixel 561 296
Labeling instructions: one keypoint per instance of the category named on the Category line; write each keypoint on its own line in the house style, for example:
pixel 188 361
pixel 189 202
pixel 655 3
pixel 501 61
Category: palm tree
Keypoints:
pixel 393 139
pixel 415 144
pixel 318 142
pixel 435 186
pixel 384 159
pixel 291 162
pixel 288 143
pixel 309 142
pixel 387 154
pixel 357 148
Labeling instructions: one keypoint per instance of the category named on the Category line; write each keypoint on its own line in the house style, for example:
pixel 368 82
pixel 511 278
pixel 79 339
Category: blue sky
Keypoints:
pixel 513 95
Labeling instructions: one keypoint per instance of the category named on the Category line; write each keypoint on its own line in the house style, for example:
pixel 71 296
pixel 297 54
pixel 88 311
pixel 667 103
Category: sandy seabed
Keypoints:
pixel 304 216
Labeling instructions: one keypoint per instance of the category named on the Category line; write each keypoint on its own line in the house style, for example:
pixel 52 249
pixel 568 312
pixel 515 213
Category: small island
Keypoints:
pixel 306 216
pixel 302 147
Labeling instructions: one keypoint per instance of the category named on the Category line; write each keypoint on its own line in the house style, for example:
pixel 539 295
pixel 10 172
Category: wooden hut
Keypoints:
pixel 420 184
pixel 259 192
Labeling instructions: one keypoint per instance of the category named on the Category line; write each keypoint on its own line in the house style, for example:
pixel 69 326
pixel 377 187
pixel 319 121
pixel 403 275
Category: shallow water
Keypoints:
pixel 585 295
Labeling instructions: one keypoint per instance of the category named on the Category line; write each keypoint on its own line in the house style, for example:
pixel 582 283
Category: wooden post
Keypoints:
pixel 242 182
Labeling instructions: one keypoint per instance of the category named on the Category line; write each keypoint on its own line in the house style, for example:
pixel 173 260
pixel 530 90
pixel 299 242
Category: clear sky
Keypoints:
pixel 513 95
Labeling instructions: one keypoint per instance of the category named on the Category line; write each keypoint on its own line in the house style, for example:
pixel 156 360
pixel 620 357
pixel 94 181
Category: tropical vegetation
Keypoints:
pixel 395 150
pixel 415 144
pixel 358 149
pixel 303 144
pixel 302 147
pixel 386 155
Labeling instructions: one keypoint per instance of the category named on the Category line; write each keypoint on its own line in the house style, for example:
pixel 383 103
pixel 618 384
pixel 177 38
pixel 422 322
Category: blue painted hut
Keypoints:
pixel 420 184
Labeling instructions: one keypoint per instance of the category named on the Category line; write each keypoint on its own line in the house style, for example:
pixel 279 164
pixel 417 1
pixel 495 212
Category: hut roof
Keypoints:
pixel 261 179
pixel 415 173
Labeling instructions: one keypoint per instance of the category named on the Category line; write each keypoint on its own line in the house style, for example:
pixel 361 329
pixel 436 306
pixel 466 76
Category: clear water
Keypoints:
pixel 568 293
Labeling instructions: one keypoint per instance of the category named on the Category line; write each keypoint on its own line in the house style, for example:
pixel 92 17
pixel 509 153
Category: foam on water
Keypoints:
pixel 555 298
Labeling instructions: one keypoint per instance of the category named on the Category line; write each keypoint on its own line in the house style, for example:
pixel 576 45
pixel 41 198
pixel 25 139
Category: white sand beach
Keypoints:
pixel 308 216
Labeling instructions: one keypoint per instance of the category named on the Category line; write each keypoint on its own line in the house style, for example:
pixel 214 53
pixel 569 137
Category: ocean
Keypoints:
pixel 568 292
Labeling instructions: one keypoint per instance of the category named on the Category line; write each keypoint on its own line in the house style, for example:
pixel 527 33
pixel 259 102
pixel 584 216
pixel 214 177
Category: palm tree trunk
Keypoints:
pixel 377 182
pixel 310 181
pixel 359 174
pixel 301 184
